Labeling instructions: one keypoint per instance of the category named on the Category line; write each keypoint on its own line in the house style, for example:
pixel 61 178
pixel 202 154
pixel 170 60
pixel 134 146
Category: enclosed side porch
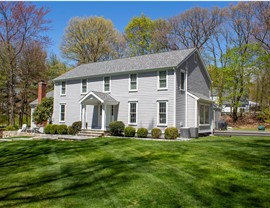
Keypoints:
pixel 103 111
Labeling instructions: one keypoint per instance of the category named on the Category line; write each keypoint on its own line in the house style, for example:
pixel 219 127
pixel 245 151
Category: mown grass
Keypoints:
pixel 110 172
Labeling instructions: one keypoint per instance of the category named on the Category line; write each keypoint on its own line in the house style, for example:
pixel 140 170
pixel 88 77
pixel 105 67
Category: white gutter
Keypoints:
pixel 174 97
pixel 186 103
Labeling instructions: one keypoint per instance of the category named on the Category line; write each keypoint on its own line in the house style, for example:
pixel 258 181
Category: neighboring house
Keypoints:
pixel 157 90
pixel 41 94
pixel 245 105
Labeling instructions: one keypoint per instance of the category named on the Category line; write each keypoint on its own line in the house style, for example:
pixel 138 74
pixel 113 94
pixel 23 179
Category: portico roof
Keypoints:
pixel 94 97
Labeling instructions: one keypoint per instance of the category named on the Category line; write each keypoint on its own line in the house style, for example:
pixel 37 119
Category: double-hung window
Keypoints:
pixel 107 82
pixel 204 114
pixel 162 80
pixel 133 82
pixel 133 113
pixel 182 80
pixel 63 87
pixel 62 112
pixel 84 86
pixel 162 112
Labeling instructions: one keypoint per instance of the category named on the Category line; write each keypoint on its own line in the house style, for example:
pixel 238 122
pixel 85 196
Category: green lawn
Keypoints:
pixel 108 172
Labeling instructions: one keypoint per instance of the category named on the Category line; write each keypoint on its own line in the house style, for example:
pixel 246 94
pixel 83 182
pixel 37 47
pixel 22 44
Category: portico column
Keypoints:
pixel 83 117
pixel 103 126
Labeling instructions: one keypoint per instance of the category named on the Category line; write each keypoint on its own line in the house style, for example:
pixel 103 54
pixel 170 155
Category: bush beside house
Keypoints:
pixel 142 132
pixel 156 133
pixel 117 128
pixel 62 129
pixel 130 131
pixel 171 133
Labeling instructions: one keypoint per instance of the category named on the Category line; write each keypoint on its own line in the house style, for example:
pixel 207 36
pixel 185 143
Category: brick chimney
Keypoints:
pixel 41 90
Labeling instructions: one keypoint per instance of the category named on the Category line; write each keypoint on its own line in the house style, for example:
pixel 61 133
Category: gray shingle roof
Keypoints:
pixel 48 94
pixel 150 61
pixel 201 96
pixel 104 96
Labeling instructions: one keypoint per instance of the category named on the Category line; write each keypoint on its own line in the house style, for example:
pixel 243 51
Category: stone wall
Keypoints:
pixel 6 134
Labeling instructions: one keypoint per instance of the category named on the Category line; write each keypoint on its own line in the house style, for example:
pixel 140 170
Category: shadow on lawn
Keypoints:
pixel 96 178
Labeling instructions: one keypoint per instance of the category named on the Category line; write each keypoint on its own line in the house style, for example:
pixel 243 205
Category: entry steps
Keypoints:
pixel 93 133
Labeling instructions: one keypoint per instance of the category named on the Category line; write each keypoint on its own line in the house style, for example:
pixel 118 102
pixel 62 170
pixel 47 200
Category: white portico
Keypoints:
pixel 102 101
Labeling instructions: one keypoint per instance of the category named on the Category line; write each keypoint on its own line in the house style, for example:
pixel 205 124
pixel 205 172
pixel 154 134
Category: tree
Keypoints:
pixel 88 39
pixel 43 111
pixel 194 27
pixel 20 22
pixel 138 34
pixel 32 68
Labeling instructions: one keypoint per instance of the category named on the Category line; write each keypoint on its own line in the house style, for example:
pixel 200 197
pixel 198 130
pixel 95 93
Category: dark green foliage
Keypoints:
pixel 53 129
pixel 156 133
pixel 62 129
pixel 71 130
pixel 11 128
pixel 77 126
pixel 142 132
pixel 47 129
pixel 171 133
pixel 116 128
pixel 130 131
pixel 43 111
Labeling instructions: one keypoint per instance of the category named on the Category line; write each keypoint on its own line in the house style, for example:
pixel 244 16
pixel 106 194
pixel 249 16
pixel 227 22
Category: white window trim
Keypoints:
pixel 60 104
pixel 183 71
pixel 158 85
pixel 133 124
pixel 62 86
pixel 83 93
pixel 204 117
pixel 133 90
pixel 109 84
pixel 161 124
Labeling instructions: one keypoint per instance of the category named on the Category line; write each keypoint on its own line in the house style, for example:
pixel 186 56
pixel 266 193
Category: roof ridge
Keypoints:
pixel 193 48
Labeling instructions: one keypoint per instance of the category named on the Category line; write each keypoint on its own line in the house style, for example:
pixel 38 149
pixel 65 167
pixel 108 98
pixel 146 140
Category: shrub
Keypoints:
pixel 77 126
pixel 142 132
pixel 156 133
pixel 11 128
pixel 62 129
pixel 53 129
pixel 171 133
pixel 116 128
pixel 71 130
pixel 130 131
pixel 47 129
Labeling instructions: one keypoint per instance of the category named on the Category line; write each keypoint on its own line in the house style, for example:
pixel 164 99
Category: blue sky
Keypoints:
pixel 119 12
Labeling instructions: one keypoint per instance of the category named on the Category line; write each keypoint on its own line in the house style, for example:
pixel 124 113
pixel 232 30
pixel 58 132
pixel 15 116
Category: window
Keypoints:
pixel 133 113
pixel 204 114
pixel 112 110
pixel 133 82
pixel 195 58
pixel 182 81
pixel 62 112
pixel 84 86
pixel 162 112
pixel 63 88
pixel 107 81
pixel 162 80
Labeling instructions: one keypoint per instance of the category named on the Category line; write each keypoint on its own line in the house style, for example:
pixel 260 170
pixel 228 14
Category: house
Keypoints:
pixel 169 89
pixel 41 94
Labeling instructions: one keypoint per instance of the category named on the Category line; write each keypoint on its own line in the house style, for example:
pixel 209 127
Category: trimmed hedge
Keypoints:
pixel 77 126
pixel 117 128
pixel 142 132
pixel 71 130
pixel 156 133
pixel 130 131
pixel 62 129
pixel 171 133
pixel 53 129
pixel 47 129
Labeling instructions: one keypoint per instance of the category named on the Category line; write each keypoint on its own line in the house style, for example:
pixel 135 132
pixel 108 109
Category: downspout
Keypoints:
pixel 174 98
pixel 186 103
